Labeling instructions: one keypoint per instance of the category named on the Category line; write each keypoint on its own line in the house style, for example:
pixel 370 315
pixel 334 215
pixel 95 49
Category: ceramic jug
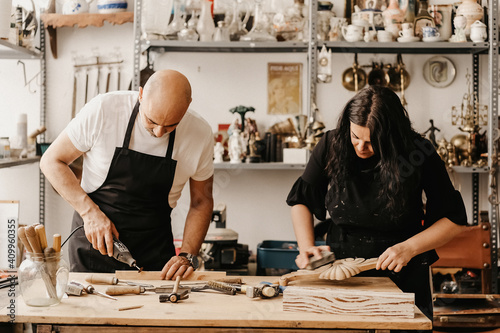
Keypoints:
pixel 472 12
pixel 478 32
pixel 393 14
pixel 111 6
pixel 76 6
pixel 206 25
pixel 352 33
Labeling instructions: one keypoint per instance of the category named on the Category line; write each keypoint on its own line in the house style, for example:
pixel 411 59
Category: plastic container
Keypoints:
pixel 278 255
pixel 43 279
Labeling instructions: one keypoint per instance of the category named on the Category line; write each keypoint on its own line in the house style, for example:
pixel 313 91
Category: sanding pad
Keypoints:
pixel 327 257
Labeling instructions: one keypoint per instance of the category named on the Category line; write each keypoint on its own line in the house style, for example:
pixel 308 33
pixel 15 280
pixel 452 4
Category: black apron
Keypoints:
pixel 360 229
pixel 134 196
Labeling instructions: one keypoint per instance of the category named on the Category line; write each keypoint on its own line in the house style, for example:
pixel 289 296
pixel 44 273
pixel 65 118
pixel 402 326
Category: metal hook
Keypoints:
pixel 26 82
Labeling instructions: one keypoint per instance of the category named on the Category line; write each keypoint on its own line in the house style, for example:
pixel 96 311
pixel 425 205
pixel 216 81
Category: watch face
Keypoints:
pixel 194 262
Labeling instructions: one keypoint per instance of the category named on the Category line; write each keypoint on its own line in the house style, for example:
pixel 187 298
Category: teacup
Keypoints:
pixel 384 36
pixel 430 32
pixel 352 33
pixel 406 33
pixel 406 25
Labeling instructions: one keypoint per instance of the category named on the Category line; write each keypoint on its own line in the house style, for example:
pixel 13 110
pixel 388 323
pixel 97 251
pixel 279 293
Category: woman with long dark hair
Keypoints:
pixel 369 175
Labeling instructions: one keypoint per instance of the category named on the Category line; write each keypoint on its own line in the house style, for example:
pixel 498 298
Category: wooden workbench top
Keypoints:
pixel 209 309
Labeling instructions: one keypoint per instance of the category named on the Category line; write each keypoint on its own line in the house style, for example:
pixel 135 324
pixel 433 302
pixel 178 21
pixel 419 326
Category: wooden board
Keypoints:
pixel 343 301
pixel 210 309
pixel 153 275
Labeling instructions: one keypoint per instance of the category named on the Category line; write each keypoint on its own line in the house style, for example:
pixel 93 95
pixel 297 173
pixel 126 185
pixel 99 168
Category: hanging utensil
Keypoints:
pixel 354 78
pixel 394 74
pixel 377 76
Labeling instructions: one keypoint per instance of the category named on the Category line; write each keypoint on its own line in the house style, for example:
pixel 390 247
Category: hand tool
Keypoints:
pixel 40 230
pixel 326 258
pixel 74 288
pixel 174 296
pixel 261 290
pixel 122 254
pixel 91 290
pixel 22 236
pixel 224 287
pixel 102 279
pixel 51 261
pixel 56 243
pixel 122 290
pixel 33 240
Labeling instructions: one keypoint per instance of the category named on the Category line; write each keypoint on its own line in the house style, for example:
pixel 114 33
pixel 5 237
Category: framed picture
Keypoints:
pixel 284 88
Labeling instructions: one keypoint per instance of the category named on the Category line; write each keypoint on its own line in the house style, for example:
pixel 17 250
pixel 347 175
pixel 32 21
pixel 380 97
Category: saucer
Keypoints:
pixel 432 39
pixel 408 39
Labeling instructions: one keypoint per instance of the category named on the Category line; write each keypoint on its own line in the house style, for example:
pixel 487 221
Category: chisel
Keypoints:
pixel 102 279
pixel 123 290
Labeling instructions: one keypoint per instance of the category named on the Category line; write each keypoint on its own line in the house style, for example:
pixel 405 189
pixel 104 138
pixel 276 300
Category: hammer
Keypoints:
pixel 174 296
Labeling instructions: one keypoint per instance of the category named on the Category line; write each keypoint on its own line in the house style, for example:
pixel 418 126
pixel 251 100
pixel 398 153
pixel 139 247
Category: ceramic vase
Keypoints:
pixel 393 14
pixel 111 6
pixel 442 18
pixel 472 12
pixel 206 25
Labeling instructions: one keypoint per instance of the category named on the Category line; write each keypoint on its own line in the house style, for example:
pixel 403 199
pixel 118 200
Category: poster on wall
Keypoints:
pixel 9 215
pixel 284 88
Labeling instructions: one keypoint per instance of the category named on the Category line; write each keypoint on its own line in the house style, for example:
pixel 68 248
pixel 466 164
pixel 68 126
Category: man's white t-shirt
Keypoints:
pixel 100 127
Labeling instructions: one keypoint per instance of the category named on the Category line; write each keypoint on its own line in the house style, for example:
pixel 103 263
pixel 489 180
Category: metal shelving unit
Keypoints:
pixel 489 48
pixel 10 51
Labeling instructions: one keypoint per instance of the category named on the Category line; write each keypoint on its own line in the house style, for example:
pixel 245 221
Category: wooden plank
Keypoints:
pixel 155 275
pixel 350 302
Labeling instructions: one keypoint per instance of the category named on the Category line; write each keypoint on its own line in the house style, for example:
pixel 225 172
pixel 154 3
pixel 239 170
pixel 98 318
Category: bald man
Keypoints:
pixel 139 150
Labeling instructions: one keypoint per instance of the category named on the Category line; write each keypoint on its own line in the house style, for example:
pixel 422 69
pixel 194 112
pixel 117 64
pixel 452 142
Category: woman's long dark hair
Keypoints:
pixel 391 135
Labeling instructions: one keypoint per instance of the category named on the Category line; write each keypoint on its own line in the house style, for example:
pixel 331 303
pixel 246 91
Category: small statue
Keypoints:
pixel 254 157
pixel 218 153
pixel 235 147
pixel 442 150
pixel 241 110
pixel 432 135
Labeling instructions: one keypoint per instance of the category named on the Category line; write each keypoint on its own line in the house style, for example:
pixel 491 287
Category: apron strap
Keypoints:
pixel 170 148
pixel 131 121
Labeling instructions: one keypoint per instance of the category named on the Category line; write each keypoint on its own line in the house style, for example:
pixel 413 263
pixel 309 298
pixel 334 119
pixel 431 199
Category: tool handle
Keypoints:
pixel 56 242
pixel 176 285
pixel 94 278
pixel 22 236
pixel 33 239
pixel 40 231
pixel 122 290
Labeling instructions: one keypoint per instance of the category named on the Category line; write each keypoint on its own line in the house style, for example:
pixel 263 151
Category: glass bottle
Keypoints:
pixel 4 147
pixel 259 32
pixel 43 278
pixel 178 21
pixel 423 19
pixel 206 26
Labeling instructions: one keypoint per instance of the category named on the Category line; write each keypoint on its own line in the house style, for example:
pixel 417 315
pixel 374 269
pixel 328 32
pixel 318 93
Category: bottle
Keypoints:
pixel 423 19
pixel 4 147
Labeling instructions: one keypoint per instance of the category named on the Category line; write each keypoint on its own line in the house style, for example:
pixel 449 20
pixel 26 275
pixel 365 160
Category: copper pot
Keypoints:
pixel 377 76
pixel 398 74
pixel 354 78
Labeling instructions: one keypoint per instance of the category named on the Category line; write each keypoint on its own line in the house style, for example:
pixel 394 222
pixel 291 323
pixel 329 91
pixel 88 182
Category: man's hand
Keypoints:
pixel 99 231
pixel 176 266
pixel 302 259
pixel 394 258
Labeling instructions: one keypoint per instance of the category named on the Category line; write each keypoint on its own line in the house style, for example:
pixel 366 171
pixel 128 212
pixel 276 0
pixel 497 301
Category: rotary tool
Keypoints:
pixel 122 254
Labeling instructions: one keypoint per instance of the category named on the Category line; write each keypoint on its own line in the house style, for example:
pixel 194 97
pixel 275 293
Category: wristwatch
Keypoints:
pixel 193 260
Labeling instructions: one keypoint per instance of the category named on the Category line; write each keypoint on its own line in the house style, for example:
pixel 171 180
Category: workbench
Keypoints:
pixel 213 311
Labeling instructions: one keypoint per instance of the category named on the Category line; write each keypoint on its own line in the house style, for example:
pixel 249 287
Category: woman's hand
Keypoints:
pixel 395 257
pixel 302 259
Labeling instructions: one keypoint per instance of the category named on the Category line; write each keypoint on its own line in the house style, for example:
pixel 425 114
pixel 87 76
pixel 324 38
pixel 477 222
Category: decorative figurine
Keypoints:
pixel 242 110
pixel 442 150
pixel 218 153
pixel 235 147
pixel 432 135
pixel 460 22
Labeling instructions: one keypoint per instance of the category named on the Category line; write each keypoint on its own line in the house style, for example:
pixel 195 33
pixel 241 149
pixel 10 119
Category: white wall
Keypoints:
pixel 255 199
